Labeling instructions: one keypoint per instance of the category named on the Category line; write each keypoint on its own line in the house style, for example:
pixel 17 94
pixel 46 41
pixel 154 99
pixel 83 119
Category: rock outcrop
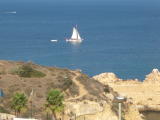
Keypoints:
pixel 90 110
pixel 106 114
pixel 144 96
pixel 107 78
pixel 153 77
pixel 133 113
pixel 4 116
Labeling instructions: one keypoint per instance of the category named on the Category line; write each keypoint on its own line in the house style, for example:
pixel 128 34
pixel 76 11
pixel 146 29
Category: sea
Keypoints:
pixel 120 36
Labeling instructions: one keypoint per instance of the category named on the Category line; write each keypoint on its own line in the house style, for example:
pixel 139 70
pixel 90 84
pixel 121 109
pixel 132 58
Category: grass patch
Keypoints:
pixel 28 72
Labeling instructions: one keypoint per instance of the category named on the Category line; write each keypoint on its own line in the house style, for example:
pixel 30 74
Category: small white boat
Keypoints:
pixel 54 40
pixel 75 38
pixel 12 12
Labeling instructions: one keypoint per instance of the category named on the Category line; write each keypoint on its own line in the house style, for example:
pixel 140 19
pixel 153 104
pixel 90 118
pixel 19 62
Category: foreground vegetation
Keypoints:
pixel 54 103
pixel 21 77
pixel 28 72
pixel 18 103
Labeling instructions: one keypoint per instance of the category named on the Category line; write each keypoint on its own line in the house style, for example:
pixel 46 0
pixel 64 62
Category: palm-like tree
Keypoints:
pixel 19 102
pixel 55 102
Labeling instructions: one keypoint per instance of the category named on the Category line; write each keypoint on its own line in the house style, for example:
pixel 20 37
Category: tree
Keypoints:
pixel 55 102
pixel 18 103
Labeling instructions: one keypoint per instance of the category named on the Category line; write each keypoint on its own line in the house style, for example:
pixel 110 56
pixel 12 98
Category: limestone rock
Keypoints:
pixel 132 113
pixel 90 110
pixel 153 77
pixel 106 78
pixel 84 107
pixel 4 116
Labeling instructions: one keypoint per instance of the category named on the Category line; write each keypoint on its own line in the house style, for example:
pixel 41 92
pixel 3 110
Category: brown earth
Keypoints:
pixel 75 85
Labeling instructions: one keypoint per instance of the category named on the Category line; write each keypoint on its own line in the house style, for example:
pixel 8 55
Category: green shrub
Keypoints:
pixel 28 71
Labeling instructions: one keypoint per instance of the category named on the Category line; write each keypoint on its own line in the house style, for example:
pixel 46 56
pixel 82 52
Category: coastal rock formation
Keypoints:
pixel 106 114
pixel 90 110
pixel 133 114
pixel 112 79
pixel 143 96
pixel 153 77
pixel 83 107
pixel 107 78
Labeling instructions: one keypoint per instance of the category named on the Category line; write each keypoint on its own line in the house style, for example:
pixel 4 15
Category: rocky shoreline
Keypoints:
pixel 144 96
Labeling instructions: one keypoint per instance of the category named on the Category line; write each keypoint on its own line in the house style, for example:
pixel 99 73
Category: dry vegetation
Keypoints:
pixel 23 77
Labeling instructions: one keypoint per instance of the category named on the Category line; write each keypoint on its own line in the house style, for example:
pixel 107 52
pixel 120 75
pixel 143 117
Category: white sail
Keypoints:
pixel 74 34
pixel 75 38
pixel 78 35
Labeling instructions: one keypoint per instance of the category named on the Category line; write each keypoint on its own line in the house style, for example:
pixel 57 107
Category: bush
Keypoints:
pixel 28 71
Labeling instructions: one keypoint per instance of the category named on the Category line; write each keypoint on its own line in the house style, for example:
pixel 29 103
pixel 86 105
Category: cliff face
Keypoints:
pixel 89 110
pixel 153 77
pixel 107 78
pixel 133 113
pixel 142 95
pixel 106 114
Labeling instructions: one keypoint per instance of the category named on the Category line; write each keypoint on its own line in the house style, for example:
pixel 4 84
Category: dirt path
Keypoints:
pixel 82 90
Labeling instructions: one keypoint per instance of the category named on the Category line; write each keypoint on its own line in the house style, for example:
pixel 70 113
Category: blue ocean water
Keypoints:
pixel 120 36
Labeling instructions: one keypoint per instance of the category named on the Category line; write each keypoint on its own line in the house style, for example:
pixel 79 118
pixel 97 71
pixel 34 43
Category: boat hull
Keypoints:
pixel 54 40
pixel 74 40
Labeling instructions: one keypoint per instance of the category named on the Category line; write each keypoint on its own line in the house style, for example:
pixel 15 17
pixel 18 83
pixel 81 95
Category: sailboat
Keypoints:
pixel 75 36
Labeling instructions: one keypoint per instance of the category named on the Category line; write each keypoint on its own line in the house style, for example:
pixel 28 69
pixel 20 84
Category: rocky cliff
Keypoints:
pixel 143 96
